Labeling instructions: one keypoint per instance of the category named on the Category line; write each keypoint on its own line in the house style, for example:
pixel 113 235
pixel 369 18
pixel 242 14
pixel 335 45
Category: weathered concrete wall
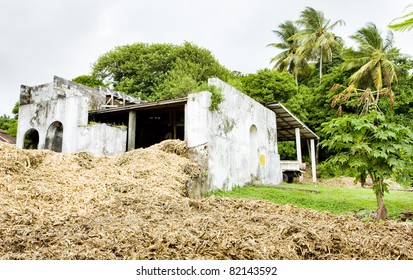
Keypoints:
pixel 59 89
pixel 101 139
pixel 71 112
pixel 240 138
pixel 67 103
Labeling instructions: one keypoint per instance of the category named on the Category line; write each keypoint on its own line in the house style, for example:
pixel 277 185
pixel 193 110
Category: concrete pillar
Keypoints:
pixel 131 130
pixel 298 144
pixel 298 150
pixel 313 163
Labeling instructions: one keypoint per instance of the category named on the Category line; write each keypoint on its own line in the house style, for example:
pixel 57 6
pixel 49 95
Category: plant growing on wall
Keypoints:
pixel 216 98
pixel 216 95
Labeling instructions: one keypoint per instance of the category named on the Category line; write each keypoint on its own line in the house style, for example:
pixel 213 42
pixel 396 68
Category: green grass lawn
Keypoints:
pixel 322 198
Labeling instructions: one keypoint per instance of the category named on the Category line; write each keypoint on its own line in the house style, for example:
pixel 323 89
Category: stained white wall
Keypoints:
pixel 70 112
pixel 101 139
pixel 226 135
pixel 68 103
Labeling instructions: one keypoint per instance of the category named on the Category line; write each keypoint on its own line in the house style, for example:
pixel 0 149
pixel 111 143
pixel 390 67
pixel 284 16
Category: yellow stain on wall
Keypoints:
pixel 262 160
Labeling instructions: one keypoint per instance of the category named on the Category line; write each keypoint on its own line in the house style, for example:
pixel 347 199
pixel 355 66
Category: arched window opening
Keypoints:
pixel 31 139
pixel 54 137
pixel 254 159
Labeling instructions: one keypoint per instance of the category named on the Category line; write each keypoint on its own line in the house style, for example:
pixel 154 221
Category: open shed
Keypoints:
pixel 290 128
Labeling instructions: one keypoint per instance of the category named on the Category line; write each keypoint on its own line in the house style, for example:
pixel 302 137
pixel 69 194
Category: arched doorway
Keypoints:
pixel 54 137
pixel 31 139
pixel 253 160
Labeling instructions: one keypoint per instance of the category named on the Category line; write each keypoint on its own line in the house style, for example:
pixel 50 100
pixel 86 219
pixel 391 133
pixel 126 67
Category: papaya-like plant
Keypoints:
pixel 369 145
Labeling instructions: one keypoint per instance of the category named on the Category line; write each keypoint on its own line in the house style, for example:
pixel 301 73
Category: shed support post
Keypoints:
pixel 298 150
pixel 298 144
pixel 313 162
pixel 131 130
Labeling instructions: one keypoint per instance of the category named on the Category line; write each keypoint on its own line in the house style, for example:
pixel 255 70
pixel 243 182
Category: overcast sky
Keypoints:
pixel 42 38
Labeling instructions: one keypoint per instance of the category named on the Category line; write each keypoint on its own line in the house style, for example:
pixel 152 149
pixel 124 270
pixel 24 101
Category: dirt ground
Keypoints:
pixel 346 182
pixel 135 206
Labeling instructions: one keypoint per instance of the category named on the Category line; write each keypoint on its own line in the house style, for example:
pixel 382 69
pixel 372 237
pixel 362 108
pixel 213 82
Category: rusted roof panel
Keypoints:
pixel 4 137
pixel 142 106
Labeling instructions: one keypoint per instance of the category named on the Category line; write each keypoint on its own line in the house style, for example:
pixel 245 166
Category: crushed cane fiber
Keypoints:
pixel 134 206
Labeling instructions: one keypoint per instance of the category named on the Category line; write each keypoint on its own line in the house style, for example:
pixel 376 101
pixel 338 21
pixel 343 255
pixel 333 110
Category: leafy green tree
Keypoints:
pixel 5 122
pixel 316 39
pixel 158 71
pixel 287 59
pixel 15 109
pixel 9 124
pixel 403 23
pixel 374 60
pixel 318 97
pixel 369 145
pixel 269 86
pixel 179 82
pixel 88 80
pixel 402 112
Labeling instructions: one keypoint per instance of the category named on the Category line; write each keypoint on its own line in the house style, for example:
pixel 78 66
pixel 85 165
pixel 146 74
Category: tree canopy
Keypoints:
pixel 9 124
pixel 268 86
pixel 374 61
pixel 158 71
pixel 316 38
pixel 288 59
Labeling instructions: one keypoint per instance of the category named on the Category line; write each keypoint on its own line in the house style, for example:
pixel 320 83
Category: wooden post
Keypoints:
pixel 131 130
pixel 174 134
pixel 313 162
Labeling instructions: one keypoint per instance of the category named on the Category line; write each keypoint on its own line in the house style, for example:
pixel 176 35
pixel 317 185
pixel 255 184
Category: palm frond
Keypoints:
pixel 374 60
pixel 406 23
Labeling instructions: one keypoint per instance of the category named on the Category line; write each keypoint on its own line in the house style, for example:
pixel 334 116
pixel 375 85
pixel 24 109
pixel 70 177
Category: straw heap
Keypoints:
pixel 134 206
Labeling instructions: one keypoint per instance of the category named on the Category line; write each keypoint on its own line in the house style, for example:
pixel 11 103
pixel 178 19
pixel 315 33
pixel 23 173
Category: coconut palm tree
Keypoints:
pixel 288 60
pixel 406 23
pixel 374 60
pixel 317 40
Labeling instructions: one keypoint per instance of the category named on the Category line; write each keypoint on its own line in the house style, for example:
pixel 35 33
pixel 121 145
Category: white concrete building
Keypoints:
pixel 236 144
pixel 54 116
pixel 240 138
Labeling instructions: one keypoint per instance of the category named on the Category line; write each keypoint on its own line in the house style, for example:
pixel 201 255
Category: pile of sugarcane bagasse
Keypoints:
pixel 135 206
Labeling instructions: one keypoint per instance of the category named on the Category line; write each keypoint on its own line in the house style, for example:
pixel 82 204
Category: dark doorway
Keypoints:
pixel 54 137
pixel 254 159
pixel 154 126
pixel 31 139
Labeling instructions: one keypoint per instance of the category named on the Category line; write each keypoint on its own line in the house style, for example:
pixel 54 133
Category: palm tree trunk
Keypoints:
pixel 377 96
pixel 321 64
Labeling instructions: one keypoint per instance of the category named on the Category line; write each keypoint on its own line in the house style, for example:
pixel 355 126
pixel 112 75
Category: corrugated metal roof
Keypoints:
pixel 287 122
pixel 4 137
pixel 142 106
